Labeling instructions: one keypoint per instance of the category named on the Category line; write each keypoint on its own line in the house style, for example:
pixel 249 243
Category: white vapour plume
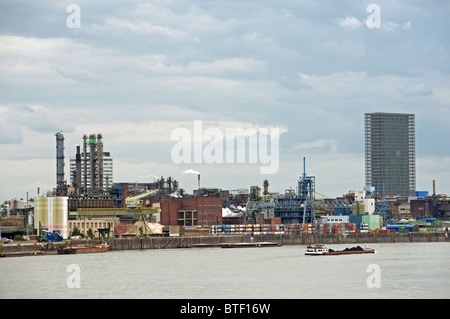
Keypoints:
pixel 150 176
pixel 190 171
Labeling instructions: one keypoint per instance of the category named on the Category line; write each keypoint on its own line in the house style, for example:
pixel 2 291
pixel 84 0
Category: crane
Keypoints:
pixel 136 201
pixel 45 235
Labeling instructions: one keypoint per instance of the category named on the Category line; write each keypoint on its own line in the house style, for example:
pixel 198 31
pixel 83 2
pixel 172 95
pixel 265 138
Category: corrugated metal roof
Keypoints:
pixel 13 229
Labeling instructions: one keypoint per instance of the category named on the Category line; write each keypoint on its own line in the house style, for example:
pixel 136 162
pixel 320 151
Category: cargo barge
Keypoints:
pixel 233 245
pixel 83 249
pixel 246 245
pixel 321 249
pixel 22 253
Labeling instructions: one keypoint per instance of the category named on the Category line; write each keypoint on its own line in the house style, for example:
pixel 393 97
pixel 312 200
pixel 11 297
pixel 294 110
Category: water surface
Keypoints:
pixel 407 270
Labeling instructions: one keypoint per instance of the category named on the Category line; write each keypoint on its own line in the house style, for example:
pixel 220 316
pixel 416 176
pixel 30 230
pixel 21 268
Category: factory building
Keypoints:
pixel 90 202
pixel 189 211
pixel 91 174
pixel 121 191
pixel 431 207
pixel 93 224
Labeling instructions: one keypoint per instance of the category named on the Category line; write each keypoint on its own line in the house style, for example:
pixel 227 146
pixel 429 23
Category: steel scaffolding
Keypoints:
pixel 297 208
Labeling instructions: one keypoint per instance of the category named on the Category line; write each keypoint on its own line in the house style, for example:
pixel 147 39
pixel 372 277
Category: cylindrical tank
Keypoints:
pixel 52 212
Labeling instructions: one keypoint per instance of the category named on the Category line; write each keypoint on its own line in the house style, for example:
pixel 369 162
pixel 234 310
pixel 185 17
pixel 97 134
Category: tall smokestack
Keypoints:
pixel 198 181
pixel 304 167
pixel 434 187
pixel 60 182
pixel 78 170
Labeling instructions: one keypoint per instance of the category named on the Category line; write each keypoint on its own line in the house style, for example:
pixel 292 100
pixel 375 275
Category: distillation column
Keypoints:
pixel 85 188
pixel 60 182
pixel 93 163
pixel 99 164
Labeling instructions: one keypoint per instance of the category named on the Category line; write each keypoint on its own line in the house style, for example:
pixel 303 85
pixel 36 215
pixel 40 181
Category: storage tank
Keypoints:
pixel 374 221
pixel 52 212
pixel 359 208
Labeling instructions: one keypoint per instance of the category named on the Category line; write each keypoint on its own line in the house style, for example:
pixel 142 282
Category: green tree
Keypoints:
pixel 90 233
pixel 18 238
pixel 77 232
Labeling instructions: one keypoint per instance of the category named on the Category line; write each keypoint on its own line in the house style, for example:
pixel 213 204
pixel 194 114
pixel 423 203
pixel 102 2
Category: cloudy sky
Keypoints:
pixel 137 71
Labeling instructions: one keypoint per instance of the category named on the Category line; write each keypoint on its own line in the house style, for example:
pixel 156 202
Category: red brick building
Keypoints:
pixel 190 211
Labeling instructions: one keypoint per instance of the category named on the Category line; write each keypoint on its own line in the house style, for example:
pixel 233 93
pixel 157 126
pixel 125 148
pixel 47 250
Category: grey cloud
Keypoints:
pixel 10 133
pixel 422 89
pixel 287 63
pixel 37 118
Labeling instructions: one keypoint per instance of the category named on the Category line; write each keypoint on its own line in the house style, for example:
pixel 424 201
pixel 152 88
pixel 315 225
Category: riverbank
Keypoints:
pixel 182 242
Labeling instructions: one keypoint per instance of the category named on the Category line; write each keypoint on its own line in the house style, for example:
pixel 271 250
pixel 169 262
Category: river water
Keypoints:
pixel 400 270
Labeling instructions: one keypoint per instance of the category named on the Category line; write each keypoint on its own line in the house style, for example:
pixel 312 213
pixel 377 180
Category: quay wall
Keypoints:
pixel 291 239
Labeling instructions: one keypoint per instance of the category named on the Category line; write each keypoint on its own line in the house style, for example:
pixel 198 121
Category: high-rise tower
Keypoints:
pixel 390 152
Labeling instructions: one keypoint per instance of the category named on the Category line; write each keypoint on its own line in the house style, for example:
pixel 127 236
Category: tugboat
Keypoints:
pixel 321 249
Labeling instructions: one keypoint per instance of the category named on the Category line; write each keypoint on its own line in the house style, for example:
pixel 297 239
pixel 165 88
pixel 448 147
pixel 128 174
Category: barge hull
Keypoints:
pixel 87 250
pixel 349 252
pixel 83 250
pixel 233 245
pixel 343 253
pixel 22 253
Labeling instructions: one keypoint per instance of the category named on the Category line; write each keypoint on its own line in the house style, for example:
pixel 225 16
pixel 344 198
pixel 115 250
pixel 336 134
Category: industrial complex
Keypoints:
pixel 93 205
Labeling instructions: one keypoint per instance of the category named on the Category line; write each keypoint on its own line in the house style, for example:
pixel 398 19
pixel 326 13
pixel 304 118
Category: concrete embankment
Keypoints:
pixel 291 239
pixel 298 239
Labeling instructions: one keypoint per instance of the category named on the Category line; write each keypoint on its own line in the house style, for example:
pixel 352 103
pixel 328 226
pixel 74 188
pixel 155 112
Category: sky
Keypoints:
pixel 301 73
